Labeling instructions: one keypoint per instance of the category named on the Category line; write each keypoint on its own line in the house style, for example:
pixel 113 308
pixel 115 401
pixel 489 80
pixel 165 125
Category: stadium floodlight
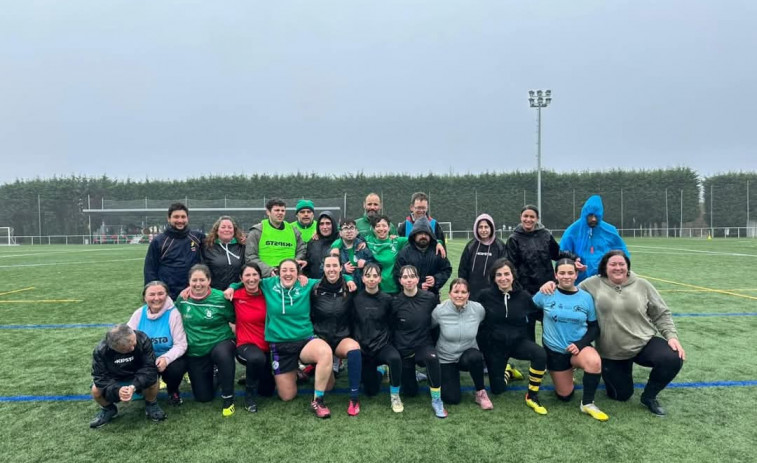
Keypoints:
pixel 539 99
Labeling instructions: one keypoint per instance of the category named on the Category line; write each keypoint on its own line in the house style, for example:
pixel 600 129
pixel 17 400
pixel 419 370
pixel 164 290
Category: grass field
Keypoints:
pixel 711 286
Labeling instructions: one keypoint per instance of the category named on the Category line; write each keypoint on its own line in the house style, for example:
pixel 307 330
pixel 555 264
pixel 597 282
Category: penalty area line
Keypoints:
pixel 701 288
pixel 17 291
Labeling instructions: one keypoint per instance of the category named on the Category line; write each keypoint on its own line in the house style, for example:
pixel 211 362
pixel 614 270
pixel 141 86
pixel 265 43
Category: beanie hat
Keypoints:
pixel 304 204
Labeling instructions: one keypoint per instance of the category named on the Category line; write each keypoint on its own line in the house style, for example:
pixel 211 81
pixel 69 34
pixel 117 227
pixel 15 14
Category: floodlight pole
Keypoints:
pixel 539 99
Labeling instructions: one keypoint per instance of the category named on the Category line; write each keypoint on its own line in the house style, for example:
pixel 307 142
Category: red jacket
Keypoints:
pixel 250 312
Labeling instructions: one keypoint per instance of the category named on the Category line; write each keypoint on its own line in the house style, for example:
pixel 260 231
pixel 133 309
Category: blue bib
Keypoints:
pixel 158 330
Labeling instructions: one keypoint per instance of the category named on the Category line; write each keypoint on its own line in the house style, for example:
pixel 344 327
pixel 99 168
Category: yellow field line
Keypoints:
pixel 17 290
pixel 701 288
pixel 45 301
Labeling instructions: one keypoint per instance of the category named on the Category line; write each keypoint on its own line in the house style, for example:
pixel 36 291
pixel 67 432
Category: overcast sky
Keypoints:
pixel 176 89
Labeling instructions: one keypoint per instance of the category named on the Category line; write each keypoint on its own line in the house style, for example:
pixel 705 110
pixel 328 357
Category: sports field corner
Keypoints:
pixel 57 301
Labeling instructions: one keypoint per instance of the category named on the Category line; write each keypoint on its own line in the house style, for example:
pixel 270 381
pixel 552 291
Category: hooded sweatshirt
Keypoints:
pixel 330 310
pixel 506 319
pixel 225 262
pixel 427 261
pixel 591 243
pixel 532 253
pixel 165 329
pixel 287 310
pixel 479 255
pixel 318 249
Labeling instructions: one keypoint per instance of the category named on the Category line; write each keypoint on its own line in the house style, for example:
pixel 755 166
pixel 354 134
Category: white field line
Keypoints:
pixel 71 263
pixel 47 253
pixel 693 251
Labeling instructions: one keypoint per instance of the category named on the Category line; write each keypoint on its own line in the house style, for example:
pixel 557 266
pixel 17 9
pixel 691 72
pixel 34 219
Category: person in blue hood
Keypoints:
pixel 590 237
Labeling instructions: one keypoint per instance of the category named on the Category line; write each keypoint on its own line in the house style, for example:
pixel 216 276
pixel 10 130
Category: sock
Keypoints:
pixel 590 383
pixel 317 395
pixel 147 403
pixel 534 381
pixel 354 370
pixel 227 400
pixel 565 398
pixel 394 390
pixel 436 392
pixel 381 369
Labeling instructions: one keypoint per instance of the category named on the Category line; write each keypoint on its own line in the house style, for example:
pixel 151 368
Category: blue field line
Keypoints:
pixel 59 326
pixel 734 314
pixel 343 391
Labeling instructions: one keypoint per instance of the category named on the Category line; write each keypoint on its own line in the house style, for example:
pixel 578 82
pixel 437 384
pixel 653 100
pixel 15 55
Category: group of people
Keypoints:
pixel 362 292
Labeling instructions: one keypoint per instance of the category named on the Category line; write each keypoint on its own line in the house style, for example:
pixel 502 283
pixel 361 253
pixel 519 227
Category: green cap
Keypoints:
pixel 304 204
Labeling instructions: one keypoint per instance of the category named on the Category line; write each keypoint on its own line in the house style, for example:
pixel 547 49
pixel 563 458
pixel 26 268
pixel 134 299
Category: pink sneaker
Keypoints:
pixel 320 409
pixel 354 408
pixel 482 399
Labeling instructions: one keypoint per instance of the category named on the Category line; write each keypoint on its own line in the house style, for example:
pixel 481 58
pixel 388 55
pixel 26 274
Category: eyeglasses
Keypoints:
pixel 348 228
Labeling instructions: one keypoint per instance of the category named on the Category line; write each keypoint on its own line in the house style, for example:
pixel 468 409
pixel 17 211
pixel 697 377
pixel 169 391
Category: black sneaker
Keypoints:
pixel 654 406
pixel 249 403
pixel 104 416
pixel 174 398
pixel 154 412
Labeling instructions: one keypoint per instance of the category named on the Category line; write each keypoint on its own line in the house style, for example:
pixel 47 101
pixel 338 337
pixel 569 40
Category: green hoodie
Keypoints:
pixel 385 253
pixel 287 310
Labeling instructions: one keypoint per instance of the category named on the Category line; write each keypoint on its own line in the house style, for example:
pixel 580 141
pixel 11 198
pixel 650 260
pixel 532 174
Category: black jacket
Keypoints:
pixel 426 261
pixel 225 263
pixel 411 321
pixel 371 319
pixel 330 312
pixel 532 254
pixel 506 317
pixel 109 367
pixel 318 249
pixel 170 256
pixel 476 261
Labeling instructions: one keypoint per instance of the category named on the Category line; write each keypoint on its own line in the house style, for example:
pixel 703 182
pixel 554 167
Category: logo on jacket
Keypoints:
pixel 208 314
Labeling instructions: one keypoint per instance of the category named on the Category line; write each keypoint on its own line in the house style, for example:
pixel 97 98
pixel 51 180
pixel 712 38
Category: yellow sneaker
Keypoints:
pixel 228 411
pixel 162 384
pixel 594 412
pixel 514 373
pixel 533 402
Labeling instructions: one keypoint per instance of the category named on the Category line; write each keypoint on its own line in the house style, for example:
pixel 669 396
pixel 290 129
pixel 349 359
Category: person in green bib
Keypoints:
pixel 305 222
pixel 273 240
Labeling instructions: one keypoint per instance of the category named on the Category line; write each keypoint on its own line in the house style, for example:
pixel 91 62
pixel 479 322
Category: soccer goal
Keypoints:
pixel 6 236
pixel 447 229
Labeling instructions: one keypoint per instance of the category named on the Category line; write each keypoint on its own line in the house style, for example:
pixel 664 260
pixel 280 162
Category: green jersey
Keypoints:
pixel 287 310
pixel 206 322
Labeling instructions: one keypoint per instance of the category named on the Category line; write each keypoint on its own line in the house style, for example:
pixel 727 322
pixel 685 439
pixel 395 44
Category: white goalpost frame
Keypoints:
pixel 447 229
pixel 6 236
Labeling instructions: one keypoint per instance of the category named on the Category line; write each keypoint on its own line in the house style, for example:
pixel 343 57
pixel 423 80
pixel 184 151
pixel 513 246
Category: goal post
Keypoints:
pixel 6 236
pixel 447 229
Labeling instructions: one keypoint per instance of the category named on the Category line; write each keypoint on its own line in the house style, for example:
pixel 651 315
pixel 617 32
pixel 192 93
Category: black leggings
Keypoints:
pixel 657 354
pixel 387 355
pixel 174 373
pixel 422 356
pixel 497 356
pixel 472 361
pixel 201 371
pixel 258 373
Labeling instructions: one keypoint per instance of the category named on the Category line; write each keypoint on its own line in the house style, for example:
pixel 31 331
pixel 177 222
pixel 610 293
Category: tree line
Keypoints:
pixel 632 199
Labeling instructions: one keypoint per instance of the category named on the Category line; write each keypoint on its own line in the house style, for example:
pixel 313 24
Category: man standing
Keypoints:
pixel 433 269
pixel 372 207
pixel 273 240
pixel 418 209
pixel 123 364
pixel 590 237
pixel 305 222
pixel 172 253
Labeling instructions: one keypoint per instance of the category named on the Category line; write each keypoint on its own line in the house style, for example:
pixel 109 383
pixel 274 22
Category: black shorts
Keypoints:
pixel 558 361
pixel 285 356
pixel 333 343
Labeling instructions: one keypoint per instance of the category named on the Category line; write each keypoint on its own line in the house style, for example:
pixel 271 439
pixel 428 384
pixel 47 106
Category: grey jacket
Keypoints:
pixel 457 329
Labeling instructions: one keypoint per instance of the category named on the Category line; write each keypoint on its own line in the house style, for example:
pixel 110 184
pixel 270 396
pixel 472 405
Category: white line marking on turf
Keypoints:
pixel 70 263
pixel 45 253
pixel 694 251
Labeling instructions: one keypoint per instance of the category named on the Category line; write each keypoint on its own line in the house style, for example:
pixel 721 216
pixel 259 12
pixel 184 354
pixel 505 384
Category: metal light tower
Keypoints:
pixel 539 99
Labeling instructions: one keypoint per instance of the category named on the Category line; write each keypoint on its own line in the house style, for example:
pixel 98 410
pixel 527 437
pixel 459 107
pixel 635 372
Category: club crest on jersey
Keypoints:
pixel 208 314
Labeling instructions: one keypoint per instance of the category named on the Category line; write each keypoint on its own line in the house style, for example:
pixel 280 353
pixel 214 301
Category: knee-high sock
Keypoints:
pixel 590 383
pixel 354 370
pixel 534 380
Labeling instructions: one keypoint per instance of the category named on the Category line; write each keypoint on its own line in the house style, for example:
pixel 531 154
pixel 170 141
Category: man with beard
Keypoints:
pixel 372 207
pixel 305 215
pixel 172 253
pixel 433 269
pixel 590 237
